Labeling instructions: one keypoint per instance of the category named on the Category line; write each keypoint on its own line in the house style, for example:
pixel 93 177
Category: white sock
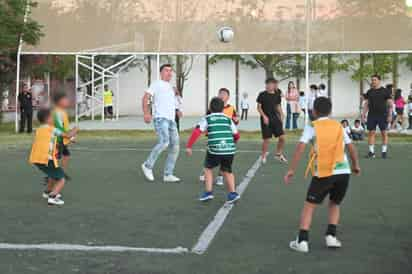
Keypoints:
pixel 384 148
pixel 372 148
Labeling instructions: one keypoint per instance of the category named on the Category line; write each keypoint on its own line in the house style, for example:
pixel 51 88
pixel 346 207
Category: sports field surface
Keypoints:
pixel 116 222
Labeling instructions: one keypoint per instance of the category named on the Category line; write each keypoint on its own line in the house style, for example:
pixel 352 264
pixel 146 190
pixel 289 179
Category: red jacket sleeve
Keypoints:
pixel 236 137
pixel 193 138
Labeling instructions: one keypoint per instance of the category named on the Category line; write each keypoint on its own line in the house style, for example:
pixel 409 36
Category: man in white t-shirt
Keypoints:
pixel 164 109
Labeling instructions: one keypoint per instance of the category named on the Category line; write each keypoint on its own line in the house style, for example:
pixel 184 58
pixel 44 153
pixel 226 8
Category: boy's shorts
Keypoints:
pixel 335 186
pixel 51 171
pixel 224 161
pixel 63 150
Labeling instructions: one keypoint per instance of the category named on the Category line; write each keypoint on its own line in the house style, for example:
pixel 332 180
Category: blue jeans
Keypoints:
pixel 290 115
pixel 168 138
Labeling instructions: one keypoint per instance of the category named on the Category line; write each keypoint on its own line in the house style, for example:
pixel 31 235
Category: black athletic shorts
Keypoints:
pixel 275 128
pixel 108 110
pixel 399 111
pixel 224 161
pixel 62 150
pixel 52 172
pixel 377 121
pixel 335 186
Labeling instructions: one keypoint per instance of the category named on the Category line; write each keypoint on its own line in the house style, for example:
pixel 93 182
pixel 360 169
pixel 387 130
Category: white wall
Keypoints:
pixel 345 91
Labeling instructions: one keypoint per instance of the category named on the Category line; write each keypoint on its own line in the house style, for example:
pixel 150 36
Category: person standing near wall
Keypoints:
pixel 322 92
pixel 271 117
pixel 292 106
pixel 311 97
pixel 164 111
pixel 108 102
pixel 378 106
pixel 244 105
pixel 179 105
pixel 26 109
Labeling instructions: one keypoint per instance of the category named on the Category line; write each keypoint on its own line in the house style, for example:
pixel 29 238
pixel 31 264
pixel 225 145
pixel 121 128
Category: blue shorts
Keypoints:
pixel 377 121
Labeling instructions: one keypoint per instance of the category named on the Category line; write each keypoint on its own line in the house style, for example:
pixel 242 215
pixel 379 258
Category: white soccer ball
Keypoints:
pixel 225 34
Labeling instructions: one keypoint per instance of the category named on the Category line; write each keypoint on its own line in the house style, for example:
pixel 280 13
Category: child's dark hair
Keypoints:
pixel 323 106
pixel 43 115
pixel 58 96
pixel 225 90
pixel 344 121
pixel 216 105
pixel 357 121
pixel 302 93
pixel 315 87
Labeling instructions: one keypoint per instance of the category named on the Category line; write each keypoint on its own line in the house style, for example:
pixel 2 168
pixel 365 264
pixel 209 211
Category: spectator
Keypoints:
pixel 302 103
pixel 292 106
pixel 399 107
pixel 311 99
pixel 410 111
pixel 244 105
pixel 346 127
pixel 322 92
pixel 26 109
pixel 357 131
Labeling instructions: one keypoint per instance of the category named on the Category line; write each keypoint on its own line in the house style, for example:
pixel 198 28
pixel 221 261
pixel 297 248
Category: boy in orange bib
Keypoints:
pixel 330 170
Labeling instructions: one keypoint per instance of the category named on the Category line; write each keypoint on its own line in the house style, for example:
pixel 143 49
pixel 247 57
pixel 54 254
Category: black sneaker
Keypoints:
pixel 371 155
pixel 384 155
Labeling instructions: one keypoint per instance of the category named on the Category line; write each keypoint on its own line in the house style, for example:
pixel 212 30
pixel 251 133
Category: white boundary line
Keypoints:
pixel 143 149
pixel 89 248
pixel 213 227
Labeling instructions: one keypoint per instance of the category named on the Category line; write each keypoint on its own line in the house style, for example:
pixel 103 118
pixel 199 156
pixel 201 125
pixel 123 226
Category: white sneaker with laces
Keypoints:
pixel 332 242
pixel 202 178
pixel 148 173
pixel 45 195
pixel 171 179
pixel 219 181
pixel 281 158
pixel 55 201
pixel 303 246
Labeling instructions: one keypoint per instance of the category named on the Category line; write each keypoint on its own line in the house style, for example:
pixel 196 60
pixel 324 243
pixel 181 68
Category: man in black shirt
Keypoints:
pixel 378 107
pixel 26 109
pixel 271 117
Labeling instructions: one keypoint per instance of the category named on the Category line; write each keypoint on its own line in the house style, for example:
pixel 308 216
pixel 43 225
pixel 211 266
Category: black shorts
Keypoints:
pixel 224 161
pixel 399 111
pixel 62 150
pixel 51 171
pixel 377 121
pixel 108 110
pixel 335 186
pixel 275 128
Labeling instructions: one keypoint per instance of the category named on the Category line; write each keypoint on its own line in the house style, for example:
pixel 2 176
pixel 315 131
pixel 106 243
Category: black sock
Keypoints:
pixel 331 230
pixel 303 235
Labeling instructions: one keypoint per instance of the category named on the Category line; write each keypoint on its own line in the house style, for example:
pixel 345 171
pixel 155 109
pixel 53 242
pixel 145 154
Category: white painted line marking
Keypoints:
pixel 87 149
pixel 213 227
pixel 88 248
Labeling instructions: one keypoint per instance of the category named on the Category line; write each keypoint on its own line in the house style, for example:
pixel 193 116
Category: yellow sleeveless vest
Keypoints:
pixel 40 148
pixel 229 111
pixel 328 148
pixel 108 98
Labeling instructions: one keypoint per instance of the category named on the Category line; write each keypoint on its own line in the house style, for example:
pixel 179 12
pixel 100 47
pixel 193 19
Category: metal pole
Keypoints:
pixel 307 86
pixel 117 96
pixel 93 88
pixel 158 66
pixel 76 90
pixel 17 92
pixel 103 83
pixel 48 89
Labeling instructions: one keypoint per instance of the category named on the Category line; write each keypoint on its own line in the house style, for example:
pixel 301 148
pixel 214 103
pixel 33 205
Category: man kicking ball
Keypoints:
pixel 163 98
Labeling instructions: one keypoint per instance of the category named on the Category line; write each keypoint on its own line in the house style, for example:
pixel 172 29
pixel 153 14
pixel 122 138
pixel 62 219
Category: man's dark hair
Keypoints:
pixel 58 96
pixel 225 90
pixel 271 80
pixel 322 106
pixel 377 76
pixel 313 86
pixel 165 66
pixel 216 105
pixel 43 115
pixel 322 86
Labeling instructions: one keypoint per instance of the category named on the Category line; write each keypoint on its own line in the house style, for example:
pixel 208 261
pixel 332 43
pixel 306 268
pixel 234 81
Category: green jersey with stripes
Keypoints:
pixel 220 130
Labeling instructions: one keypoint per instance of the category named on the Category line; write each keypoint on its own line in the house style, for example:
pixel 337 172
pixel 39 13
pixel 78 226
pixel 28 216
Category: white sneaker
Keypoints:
pixel 332 242
pixel 263 159
pixel 281 158
pixel 202 178
pixel 55 201
pixel 45 195
pixel 219 181
pixel 171 179
pixel 303 246
pixel 148 173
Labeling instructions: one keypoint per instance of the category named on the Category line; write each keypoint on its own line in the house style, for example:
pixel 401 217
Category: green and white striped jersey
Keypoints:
pixel 220 130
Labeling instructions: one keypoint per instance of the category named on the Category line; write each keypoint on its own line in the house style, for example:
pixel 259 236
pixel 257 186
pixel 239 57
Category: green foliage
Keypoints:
pixel 381 64
pixel 182 66
pixel 326 64
pixel 407 60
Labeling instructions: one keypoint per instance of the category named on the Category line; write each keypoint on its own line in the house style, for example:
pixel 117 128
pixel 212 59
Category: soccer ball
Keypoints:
pixel 225 34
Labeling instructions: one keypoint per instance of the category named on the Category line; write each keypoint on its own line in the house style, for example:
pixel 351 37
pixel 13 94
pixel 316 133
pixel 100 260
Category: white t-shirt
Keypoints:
pixel 244 104
pixel 359 129
pixel 164 101
pixel 309 135
pixel 322 93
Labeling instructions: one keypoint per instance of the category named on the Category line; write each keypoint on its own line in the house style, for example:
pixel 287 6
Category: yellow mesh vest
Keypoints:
pixel 328 148
pixel 40 147
pixel 229 111
pixel 108 97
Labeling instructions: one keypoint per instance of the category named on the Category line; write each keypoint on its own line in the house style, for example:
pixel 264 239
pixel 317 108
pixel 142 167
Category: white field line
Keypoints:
pixel 78 148
pixel 89 248
pixel 213 227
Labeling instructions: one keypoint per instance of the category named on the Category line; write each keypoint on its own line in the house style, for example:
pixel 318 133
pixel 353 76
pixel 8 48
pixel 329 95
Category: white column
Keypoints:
pixel 76 90
pixel 307 89
pixel 158 66
pixel 93 95
pixel 17 91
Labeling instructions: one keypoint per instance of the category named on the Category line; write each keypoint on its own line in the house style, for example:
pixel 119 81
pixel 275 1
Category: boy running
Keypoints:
pixel 330 169
pixel 221 148
pixel 61 122
pixel 43 155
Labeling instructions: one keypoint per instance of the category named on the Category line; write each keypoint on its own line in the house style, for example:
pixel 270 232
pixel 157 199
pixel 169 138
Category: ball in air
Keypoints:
pixel 225 34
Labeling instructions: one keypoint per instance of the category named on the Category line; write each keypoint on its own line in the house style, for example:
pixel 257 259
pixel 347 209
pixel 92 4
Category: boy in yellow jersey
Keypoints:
pixel 330 169
pixel 108 102
pixel 61 122
pixel 44 156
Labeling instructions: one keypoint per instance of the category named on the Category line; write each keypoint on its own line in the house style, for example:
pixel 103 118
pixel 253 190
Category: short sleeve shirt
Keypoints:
pixel 269 102
pixel 164 101
pixel 377 101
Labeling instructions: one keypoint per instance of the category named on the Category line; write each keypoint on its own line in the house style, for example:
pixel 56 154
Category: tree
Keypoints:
pixel 182 66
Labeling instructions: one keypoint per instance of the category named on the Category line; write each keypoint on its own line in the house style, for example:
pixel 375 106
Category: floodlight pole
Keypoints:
pixel 77 90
